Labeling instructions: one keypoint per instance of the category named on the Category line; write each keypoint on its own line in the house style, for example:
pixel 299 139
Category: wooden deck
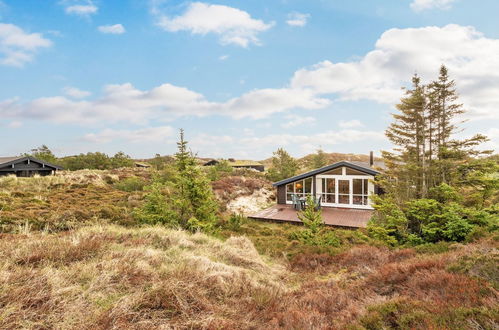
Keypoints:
pixel 341 217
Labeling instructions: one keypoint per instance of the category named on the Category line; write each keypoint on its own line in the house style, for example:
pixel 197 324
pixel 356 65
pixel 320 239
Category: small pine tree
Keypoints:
pixel 283 166
pixel 311 217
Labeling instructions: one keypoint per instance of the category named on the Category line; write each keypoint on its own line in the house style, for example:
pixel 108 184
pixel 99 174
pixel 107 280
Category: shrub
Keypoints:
pixel 457 229
pixel 235 221
pixel 131 184
pixel 311 218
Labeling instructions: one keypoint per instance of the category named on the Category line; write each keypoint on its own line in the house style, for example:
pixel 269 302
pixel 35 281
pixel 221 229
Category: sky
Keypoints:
pixel 242 78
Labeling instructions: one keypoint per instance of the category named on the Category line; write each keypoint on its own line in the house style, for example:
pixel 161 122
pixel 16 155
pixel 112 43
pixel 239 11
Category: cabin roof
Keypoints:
pixel 7 161
pixel 360 166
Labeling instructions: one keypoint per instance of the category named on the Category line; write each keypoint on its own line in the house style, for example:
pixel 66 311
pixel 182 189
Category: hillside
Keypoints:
pixel 331 157
pixel 73 253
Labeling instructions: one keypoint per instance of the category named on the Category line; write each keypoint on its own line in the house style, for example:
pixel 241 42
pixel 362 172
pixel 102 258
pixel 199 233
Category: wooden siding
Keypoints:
pixel 281 194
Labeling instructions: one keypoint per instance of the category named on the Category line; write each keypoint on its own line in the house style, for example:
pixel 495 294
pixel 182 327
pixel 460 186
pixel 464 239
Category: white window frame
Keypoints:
pixel 344 176
pixel 303 194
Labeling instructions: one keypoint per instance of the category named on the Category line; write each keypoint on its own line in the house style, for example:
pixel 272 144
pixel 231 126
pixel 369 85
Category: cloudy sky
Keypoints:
pixel 241 77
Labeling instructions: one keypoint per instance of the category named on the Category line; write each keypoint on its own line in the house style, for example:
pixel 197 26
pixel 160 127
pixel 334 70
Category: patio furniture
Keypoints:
pixel 296 202
pixel 317 203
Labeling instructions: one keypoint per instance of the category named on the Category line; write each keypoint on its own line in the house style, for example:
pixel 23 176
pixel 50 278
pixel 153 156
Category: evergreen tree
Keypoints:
pixel 193 198
pixel 283 166
pixel 423 134
pixel 43 153
pixel 183 197
pixel 319 159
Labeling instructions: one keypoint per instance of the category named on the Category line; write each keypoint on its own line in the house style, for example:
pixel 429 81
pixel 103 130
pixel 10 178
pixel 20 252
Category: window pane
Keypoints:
pixel 365 187
pixel 330 186
pixel 357 186
pixel 308 185
pixel 343 186
pixel 330 199
pixel 344 199
pixel 350 171
pixel 289 188
pixel 299 187
pixel 288 197
pixel 365 200
pixel 358 200
pixel 336 171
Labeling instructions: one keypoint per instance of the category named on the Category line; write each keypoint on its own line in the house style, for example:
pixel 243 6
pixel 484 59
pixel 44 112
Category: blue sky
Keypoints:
pixel 241 77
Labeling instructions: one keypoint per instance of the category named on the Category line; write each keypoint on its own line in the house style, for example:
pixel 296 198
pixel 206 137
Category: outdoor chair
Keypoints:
pixel 296 202
pixel 317 202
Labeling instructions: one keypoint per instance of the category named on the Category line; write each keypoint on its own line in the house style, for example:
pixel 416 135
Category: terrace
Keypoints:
pixel 338 217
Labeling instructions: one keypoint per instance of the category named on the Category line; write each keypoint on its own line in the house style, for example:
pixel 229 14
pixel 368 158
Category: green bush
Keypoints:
pixel 235 221
pixel 131 184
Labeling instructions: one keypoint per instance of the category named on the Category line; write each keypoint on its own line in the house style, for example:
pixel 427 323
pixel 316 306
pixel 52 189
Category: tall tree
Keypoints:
pixel 423 133
pixel 283 166
pixel 407 133
pixel 319 159
pixel 44 153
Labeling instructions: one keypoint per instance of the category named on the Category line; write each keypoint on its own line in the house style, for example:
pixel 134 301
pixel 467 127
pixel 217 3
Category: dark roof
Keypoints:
pixel 6 161
pixel 356 166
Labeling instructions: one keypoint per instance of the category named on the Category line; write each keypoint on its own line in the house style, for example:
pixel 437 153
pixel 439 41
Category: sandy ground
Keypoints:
pixel 250 204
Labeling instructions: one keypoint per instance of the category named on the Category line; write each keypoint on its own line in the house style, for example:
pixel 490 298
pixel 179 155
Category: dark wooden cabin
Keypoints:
pixel 26 166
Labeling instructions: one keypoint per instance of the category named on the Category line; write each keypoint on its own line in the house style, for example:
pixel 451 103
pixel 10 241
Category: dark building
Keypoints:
pixel 26 166
pixel 247 164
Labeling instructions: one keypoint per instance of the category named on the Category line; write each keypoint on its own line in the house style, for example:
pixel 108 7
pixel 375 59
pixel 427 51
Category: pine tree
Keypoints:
pixel 423 134
pixel 319 159
pixel 283 166
pixel 407 133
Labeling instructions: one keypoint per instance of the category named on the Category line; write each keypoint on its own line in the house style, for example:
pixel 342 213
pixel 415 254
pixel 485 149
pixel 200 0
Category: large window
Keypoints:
pixel 360 192
pixel 301 188
pixel 329 191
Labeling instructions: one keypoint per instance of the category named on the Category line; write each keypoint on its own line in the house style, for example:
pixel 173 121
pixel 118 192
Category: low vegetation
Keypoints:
pixel 163 247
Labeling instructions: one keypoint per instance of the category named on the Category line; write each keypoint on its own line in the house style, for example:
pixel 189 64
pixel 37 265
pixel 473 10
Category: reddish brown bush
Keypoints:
pixel 311 261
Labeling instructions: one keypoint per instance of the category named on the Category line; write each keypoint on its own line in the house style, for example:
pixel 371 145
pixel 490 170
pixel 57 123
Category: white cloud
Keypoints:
pixel 15 124
pixel 150 134
pixel 125 103
pixel 223 57
pixel 419 5
pixel 82 10
pixel 75 92
pixel 297 19
pixel 234 26
pixel 112 29
pixel 298 121
pixel 18 47
pixel 470 57
pixel 350 123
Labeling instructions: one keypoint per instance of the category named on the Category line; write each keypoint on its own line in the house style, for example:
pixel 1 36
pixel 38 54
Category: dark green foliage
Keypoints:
pixel 181 196
pixel 315 232
pixel 283 166
pixel 43 153
pixel 120 159
pixel 426 221
pixel 96 161
pixel 311 218
pixel 219 170
pixel 235 221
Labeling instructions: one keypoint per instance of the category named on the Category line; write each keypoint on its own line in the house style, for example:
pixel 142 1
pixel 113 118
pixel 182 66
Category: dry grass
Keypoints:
pixel 65 201
pixel 377 288
pixel 111 277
